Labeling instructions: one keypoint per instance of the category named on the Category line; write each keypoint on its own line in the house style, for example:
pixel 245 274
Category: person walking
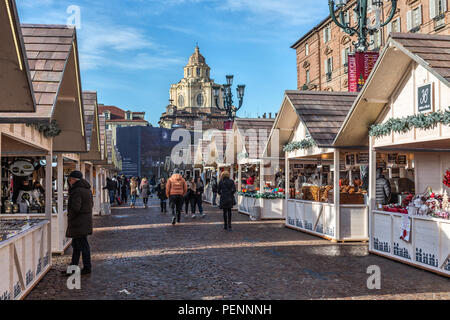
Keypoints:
pixel 187 196
pixel 133 191
pixel 161 192
pixel 124 189
pixel 79 219
pixel 226 190
pixel 191 198
pixel 175 190
pixel 145 191
pixel 196 197
pixel 110 186
pixel 214 189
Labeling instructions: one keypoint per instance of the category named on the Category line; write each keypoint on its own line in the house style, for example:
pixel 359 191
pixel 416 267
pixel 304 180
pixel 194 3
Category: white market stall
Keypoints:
pixel 258 196
pixel 326 197
pixel 409 142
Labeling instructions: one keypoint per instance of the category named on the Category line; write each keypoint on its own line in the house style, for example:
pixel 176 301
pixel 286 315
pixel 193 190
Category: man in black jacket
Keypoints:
pixel 80 219
pixel 383 188
pixel 214 186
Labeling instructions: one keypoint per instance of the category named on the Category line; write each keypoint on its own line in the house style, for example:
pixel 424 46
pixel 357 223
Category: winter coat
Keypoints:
pixel 145 190
pixel 383 189
pixel 133 187
pixel 110 186
pixel 161 191
pixel 79 221
pixel 214 184
pixel 176 185
pixel 226 190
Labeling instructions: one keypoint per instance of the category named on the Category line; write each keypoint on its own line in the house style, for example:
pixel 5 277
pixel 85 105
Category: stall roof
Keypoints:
pixel 15 80
pixel 53 60
pixel 92 126
pixel 322 112
pixel 430 51
pixel 243 124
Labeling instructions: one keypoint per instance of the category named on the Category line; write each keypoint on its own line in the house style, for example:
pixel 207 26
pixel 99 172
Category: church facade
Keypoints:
pixel 192 99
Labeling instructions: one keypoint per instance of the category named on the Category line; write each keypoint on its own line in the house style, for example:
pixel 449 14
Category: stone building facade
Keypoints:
pixel 322 52
pixel 192 99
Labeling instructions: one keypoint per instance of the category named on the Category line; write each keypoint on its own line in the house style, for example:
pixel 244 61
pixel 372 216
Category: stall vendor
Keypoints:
pixel 383 188
pixel 29 195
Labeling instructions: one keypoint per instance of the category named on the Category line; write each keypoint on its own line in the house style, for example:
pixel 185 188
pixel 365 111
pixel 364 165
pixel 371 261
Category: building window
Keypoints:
pixel 129 115
pixel 347 18
pixel 306 49
pixel 181 101
pixel 198 72
pixel 307 77
pixel 437 12
pixel 329 68
pixel 200 100
pixel 107 127
pixel 189 72
pixel 327 34
pixel 345 53
pixel 414 19
pixel 107 115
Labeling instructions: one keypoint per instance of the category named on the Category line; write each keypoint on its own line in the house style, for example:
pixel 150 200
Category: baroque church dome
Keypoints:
pixel 197 57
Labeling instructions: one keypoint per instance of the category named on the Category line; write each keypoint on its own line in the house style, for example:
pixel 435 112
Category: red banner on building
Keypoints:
pixel 360 65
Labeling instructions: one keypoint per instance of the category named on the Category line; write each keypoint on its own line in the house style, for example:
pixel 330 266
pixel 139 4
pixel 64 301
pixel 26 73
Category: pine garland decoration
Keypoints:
pixel 299 145
pixel 403 125
pixel 49 130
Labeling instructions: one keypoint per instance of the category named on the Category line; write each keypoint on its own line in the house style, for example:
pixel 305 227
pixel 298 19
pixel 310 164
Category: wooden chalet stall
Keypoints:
pixel 91 119
pixel 405 103
pixel 250 138
pixel 53 60
pixel 325 195
pixel 25 244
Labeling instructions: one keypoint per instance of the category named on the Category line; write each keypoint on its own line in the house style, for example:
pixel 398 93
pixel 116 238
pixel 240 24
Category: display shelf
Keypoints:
pixel 25 260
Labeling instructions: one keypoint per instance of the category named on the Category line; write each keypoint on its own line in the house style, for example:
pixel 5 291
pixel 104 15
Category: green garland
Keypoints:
pixel 242 155
pixel 299 145
pixel 403 125
pixel 259 195
pixel 49 129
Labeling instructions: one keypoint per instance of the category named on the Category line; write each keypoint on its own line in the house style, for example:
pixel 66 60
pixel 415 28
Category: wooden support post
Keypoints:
pixel 83 169
pixel 239 177
pixel 48 201
pixel 372 186
pixel 261 175
pixel 91 174
pixel 287 182
pixel 60 183
pixel 1 173
pixel 337 192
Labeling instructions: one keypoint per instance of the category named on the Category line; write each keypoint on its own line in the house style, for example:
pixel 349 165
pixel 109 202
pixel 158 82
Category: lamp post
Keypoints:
pixel 228 106
pixel 362 28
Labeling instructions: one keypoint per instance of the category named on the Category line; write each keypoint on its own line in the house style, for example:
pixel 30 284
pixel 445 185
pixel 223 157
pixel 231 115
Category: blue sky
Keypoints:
pixel 131 51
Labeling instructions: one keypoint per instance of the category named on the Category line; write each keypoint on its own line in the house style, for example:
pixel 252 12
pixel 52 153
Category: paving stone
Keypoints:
pixel 140 251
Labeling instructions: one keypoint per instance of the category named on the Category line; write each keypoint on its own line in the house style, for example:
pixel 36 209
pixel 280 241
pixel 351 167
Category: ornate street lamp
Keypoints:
pixel 228 97
pixel 362 29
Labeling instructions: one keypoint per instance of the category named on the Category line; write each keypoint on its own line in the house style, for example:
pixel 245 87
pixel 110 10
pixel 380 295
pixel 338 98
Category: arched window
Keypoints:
pixel 200 100
pixel 181 101
pixel 189 72
pixel 198 72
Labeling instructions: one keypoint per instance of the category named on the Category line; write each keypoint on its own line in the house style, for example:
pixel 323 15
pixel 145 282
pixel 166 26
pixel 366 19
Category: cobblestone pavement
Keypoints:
pixel 140 251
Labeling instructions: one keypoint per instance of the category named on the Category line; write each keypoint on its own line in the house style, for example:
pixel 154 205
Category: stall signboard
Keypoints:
pixel 402 159
pixel 360 65
pixel 362 158
pixel 350 159
pixel 392 158
pixel 425 98
pixel 382 165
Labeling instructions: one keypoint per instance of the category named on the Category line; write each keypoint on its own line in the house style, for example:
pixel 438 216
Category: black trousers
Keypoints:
pixel 145 200
pixel 227 218
pixel 187 201
pixel 176 203
pixel 80 246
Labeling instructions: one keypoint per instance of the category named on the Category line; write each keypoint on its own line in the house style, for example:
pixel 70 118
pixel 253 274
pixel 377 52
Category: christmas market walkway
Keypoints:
pixel 138 254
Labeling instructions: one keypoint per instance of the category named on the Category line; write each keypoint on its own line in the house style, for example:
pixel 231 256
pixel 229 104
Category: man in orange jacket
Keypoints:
pixel 176 188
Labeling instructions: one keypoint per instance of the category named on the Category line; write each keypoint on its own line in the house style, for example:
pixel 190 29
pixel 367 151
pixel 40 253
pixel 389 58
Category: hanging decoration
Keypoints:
pixel 49 130
pixel 299 145
pixel 446 180
pixel 403 125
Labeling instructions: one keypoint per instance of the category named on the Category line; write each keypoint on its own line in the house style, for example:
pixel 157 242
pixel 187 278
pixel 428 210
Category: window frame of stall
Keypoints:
pixel 403 67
